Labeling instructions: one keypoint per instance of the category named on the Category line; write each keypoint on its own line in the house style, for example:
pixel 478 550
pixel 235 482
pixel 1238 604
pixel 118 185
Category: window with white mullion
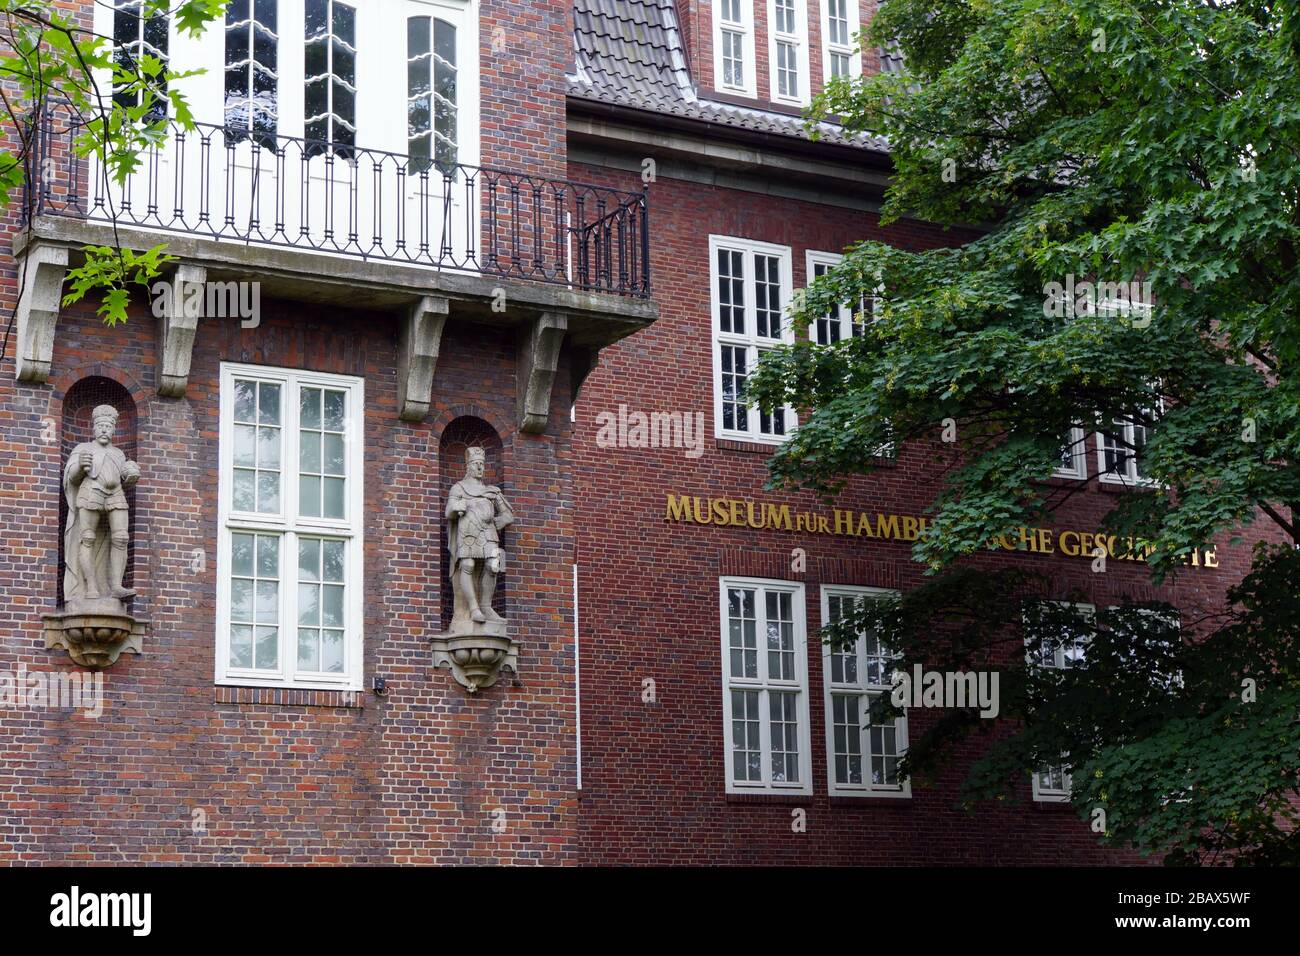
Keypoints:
pixel 290 558
pixel 1073 462
pixel 1119 449
pixel 136 36
pixel 844 321
pixel 863 753
pixel 733 46
pixel 788 50
pixel 330 75
pixel 1051 782
pixel 750 290
pixel 252 76
pixel 765 686
pixel 839 22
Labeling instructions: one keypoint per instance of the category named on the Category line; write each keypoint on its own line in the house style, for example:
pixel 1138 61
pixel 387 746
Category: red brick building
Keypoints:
pixel 417 226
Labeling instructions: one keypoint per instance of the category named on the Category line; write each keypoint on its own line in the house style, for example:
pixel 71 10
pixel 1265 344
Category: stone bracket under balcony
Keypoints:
pixel 546 317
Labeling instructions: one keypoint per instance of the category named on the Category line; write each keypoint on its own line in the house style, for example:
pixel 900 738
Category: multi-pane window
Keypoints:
pixel 431 92
pixel 839 48
pixel 733 44
pixel 846 320
pixel 1073 461
pixel 252 75
pixel 787 50
pixel 330 74
pixel 863 753
pixel 751 286
pixel 765 685
pixel 136 36
pixel 1051 783
pixel 1119 449
pixel 290 555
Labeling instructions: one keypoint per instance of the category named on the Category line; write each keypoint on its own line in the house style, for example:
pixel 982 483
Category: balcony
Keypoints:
pixel 341 225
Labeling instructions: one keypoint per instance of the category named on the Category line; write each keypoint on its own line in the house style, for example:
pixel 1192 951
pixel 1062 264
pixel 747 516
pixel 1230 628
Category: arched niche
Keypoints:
pixel 461 433
pixel 76 427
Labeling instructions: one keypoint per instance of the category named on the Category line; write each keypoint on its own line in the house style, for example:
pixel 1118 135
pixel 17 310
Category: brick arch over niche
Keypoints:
pixel 468 431
pixel 79 402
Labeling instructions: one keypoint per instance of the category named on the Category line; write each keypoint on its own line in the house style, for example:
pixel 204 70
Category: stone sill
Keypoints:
pixel 291 697
pixel 779 799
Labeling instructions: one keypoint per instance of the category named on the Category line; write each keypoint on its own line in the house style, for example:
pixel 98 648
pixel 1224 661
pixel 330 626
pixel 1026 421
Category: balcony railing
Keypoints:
pixel 230 185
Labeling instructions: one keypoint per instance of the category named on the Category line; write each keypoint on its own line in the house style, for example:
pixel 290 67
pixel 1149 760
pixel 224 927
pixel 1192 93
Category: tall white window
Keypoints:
pixel 1119 450
pixel 863 754
pixel 1051 783
pixel 751 287
pixel 846 320
pixel 136 36
pixel 252 74
pixel 289 559
pixel 840 56
pixel 765 686
pixel 431 91
pixel 1073 461
pixel 330 72
pixel 733 46
pixel 788 50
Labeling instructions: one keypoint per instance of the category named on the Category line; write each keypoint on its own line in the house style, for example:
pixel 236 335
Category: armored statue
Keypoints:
pixel 476 514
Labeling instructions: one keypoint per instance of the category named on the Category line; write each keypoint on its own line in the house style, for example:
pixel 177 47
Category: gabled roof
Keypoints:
pixel 630 53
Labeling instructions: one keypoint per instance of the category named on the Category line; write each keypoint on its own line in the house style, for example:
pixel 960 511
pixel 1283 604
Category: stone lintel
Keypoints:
pixel 176 331
pixel 41 273
pixel 539 358
pixel 421 339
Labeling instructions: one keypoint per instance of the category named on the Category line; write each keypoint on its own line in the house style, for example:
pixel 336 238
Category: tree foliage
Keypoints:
pixel 1087 141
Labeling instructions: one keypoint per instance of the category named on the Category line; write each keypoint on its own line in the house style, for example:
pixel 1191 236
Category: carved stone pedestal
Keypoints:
pixel 94 632
pixel 476 659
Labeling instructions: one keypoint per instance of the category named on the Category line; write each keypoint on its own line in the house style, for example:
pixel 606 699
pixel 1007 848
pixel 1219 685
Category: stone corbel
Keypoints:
pixel 539 358
pixel 38 310
pixel 176 333
pixel 421 339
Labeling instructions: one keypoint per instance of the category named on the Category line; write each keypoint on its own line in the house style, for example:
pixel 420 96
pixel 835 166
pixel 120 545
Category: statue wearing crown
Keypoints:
pixel 476 645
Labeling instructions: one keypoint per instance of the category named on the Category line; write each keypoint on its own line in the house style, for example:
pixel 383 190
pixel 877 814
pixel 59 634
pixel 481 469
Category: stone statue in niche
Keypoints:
pixel 93 624
pixel 476 646
pixel 94 484
pixel 476 514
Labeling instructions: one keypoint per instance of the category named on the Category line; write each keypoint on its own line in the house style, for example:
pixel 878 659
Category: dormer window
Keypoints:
pixel 733 44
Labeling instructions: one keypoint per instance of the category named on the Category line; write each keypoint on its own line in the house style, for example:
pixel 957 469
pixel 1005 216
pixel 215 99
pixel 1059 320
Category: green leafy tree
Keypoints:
pixel 48 60
pixel 1103 142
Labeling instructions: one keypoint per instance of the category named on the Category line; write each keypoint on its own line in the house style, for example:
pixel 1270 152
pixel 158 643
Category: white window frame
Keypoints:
pixel 799 40
pixel 764 685
pixel 288 527
pixel 745 30
pixel 1077 442
pixel 848 326
pixel 1130 476
pixel 850 49
pixel 865 692
pixel 750 339
pixel 1042 793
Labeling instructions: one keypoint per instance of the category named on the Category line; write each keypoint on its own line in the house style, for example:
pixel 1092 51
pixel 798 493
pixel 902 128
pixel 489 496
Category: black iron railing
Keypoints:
pixel 224 184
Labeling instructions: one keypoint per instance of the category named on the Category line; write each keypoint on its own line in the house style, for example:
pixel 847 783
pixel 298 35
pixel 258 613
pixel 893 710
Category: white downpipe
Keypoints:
pixel 577 677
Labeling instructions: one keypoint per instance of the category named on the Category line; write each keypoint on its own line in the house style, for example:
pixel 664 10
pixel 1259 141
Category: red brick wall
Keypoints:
pixel 414 776
pixel 653 774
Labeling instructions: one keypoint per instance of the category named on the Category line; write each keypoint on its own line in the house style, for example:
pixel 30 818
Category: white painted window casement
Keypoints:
pixel 1051 784
pixel 863 756
pixel 765 686
pixel 846 321
pixel 733 46
pixel 840 56
pixel 136 36
pixel 1119 450
pixel 1074 456
pixel 751 285
pixel 787 50
pixel 290 514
